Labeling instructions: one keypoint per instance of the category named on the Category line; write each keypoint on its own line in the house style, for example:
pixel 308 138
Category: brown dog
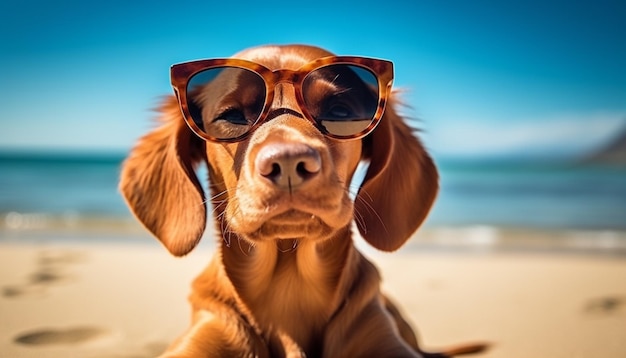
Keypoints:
pixel 284 129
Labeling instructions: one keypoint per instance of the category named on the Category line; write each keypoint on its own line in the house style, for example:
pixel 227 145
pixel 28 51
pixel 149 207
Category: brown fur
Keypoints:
pixel 286 280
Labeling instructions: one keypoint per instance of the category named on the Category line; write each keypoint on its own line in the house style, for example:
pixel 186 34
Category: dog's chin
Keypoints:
pixel 292 225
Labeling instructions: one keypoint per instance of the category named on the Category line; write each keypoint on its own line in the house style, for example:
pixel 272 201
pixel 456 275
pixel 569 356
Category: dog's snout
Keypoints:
pixel 288 165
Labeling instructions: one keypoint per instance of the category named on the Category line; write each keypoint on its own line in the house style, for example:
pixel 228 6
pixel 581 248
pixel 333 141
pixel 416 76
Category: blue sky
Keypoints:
pixel 485 78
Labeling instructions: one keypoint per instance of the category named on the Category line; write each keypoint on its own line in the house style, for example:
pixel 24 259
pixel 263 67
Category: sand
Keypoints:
pixel 531 294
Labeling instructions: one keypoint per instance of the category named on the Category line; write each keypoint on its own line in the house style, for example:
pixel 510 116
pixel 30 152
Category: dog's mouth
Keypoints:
pixel 293 217
pixel 291 224
pixel 312 214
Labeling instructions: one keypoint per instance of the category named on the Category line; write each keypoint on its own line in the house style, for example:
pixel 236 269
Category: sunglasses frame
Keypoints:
pixel 181 73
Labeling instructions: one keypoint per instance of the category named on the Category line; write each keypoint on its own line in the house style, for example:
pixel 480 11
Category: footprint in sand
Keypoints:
pixel 607 305
pixel 22 290
pixel 69 336
pixel 49 271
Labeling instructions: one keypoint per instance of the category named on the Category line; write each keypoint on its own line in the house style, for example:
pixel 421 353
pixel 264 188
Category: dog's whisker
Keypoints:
pixel 371 209
pixel 224 231
pixel 226 225
pixel 358 218
pixel 212 202
pixel 365 193
pixel 214 198
pixel 294 246
pixel 245 253
pixel 219 208
pixel 226 228
pixel 223 192
pixel 352 190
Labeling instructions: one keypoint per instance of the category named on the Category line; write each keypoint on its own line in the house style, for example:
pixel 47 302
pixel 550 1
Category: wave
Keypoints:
pixel 487 238
pixel 40 221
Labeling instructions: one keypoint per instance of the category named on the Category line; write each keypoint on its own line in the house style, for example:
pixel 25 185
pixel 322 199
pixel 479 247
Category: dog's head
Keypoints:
pixel 286 176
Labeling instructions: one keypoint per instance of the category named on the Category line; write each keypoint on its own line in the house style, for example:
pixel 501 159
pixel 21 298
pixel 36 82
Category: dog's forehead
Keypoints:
pixel 289 57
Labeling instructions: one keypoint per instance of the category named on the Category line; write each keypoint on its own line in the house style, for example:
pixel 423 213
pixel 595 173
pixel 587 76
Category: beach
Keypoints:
pixel 529 293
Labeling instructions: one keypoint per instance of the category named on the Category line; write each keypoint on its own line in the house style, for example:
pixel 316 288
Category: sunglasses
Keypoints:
pixel 224 100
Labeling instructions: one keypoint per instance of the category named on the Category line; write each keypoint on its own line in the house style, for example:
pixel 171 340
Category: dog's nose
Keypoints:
pixel 288 165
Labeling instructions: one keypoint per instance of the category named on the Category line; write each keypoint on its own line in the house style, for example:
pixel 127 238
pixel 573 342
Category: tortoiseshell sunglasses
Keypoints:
pixel 224 100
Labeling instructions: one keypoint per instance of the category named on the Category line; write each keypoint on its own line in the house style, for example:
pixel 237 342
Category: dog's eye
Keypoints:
pixel 337 111
pixel 234 116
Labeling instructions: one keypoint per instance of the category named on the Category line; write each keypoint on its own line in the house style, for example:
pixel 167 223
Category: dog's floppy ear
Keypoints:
pixel 159 183
pixel 399 187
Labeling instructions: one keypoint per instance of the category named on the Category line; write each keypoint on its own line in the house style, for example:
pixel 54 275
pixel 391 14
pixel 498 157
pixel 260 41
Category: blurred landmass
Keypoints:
pixel 613 153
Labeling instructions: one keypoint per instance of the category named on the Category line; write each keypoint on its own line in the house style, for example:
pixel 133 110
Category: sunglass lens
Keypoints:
pixel 225 102
pixel 342 98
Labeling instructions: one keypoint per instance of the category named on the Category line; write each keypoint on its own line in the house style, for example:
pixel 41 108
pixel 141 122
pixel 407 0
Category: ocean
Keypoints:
pixel 47 189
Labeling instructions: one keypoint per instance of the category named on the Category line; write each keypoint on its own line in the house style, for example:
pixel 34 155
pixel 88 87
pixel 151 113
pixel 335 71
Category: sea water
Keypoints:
pixel 42 188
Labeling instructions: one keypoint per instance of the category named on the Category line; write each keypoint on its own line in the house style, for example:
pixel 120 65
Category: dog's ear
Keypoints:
pixel 399 187
pixel 159 183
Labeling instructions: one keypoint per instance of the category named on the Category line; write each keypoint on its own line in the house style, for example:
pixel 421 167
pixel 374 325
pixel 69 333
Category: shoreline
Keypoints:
pixel 432 239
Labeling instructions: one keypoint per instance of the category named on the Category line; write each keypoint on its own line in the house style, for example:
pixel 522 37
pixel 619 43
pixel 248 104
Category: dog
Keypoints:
pixel 282 130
